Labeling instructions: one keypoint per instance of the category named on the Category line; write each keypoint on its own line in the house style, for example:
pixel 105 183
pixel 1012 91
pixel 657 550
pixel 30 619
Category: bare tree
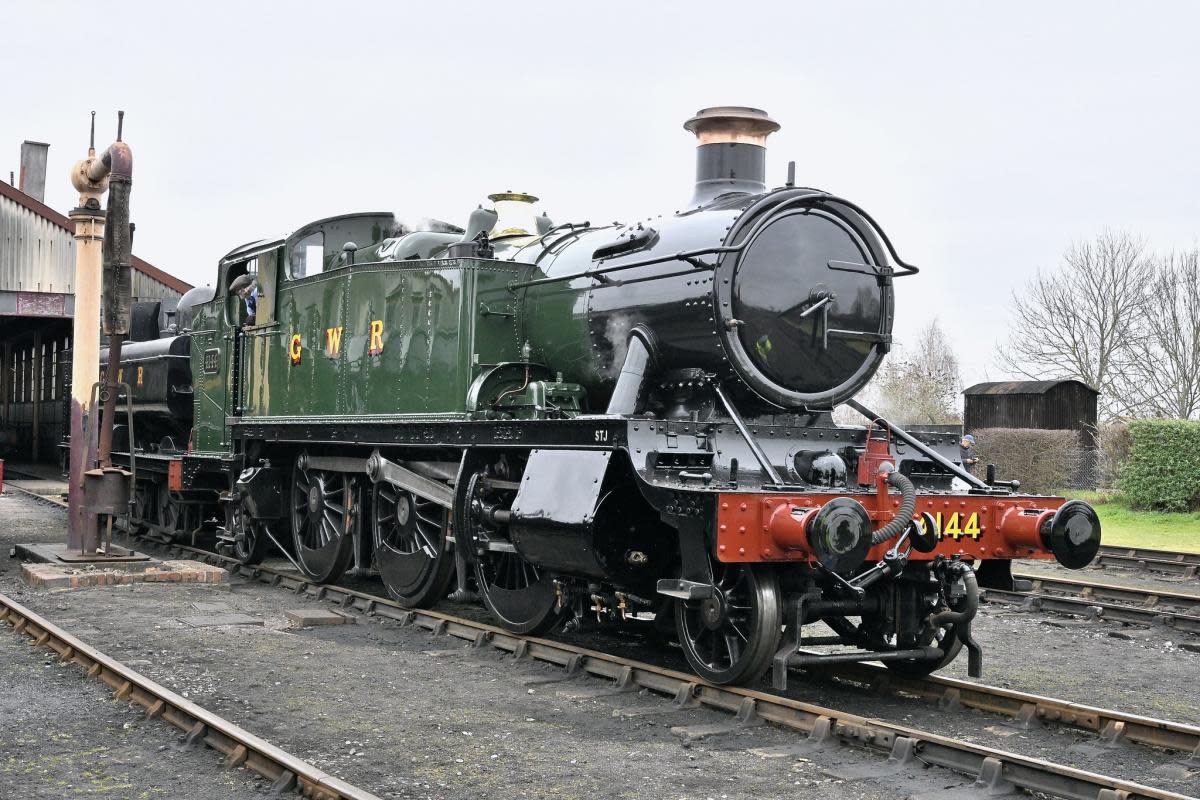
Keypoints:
pixel 1088 319
pixel 920 384
pixel 1167 367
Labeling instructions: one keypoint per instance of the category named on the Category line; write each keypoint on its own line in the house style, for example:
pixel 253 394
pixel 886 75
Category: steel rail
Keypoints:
pixel 1169 561
pixel 1145 596
pixel 820 724
pixel 1026 709
pixel 1088 607
pixel 240 747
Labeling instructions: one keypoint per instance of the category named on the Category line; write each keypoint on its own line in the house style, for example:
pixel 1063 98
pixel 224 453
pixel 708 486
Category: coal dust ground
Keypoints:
pixel 404 714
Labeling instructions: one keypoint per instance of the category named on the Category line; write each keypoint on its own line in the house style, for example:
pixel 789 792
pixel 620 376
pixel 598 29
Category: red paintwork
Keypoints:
pixel 175 475
pixel 877 453
pixel 761 527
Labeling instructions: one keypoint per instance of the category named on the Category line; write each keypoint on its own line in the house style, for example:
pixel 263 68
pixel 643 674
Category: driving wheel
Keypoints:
pixel 521 596
pixel 411 550
pixel 323 509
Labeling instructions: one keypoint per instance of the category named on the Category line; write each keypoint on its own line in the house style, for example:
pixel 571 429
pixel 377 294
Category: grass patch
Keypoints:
pixel 1161 530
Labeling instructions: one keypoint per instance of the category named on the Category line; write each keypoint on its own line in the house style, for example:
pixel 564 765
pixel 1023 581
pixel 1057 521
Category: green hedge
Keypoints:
pixel 1163 471
pixel 1044 461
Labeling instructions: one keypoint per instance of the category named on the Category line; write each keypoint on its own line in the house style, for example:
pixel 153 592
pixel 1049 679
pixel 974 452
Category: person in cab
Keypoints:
pixel 246 287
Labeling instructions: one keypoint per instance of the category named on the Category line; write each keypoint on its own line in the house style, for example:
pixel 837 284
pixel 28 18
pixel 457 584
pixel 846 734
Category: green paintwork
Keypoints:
pixel 446 322
pixel 211 330
pixel 438 326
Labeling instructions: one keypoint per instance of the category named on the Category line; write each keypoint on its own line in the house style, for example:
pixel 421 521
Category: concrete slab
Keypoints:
pixel 212 608
pixel 121 557
pixel 210 620
pixel 311 617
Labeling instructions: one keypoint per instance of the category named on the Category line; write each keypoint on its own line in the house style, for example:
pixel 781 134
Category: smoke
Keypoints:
pixel 616 332
pixel 407 225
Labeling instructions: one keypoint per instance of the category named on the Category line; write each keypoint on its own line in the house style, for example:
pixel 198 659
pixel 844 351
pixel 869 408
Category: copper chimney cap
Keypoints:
pixel 722 124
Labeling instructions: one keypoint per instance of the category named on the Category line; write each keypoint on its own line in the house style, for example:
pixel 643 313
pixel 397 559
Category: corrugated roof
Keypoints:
pixel 1022 387
pixel 50 215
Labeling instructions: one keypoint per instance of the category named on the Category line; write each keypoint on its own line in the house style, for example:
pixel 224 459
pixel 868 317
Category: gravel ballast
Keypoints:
pixel 405 714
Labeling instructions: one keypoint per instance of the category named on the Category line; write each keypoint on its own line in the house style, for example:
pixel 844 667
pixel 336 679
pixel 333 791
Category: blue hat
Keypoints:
pixel 969 438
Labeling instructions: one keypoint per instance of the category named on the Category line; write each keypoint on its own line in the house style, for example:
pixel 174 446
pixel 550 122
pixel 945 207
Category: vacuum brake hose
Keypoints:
pixel 908 505
pixel 961 620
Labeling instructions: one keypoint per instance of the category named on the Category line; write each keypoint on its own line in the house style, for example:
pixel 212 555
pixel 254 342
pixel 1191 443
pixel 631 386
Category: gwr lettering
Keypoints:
pixel 333 341
pixel 375 346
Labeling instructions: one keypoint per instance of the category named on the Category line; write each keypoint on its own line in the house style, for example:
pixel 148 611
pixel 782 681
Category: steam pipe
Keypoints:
pixel 640 359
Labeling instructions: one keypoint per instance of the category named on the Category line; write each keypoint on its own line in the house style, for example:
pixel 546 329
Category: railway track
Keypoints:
pixel 240 747
pixel 990 766
pixel 1137 605
pixel 1171 562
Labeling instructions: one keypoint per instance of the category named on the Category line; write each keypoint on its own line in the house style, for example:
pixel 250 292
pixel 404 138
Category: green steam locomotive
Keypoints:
pixel 608 423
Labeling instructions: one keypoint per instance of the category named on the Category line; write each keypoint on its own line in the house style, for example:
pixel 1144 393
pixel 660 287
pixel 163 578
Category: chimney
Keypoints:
pixel 731 152
pixel 33 169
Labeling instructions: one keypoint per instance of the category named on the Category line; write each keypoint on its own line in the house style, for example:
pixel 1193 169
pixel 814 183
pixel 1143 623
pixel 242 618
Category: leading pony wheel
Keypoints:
pixel 323 509
pixel 730 638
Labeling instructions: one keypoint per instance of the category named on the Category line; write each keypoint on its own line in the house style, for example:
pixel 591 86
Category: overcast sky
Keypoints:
pixel 984 139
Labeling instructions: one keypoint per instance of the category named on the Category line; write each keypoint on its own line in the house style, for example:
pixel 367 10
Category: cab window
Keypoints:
pixel 308 256
pixel 238 310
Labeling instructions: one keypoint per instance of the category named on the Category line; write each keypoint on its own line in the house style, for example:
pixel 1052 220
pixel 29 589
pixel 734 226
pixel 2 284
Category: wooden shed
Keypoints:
pixel 1055 405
